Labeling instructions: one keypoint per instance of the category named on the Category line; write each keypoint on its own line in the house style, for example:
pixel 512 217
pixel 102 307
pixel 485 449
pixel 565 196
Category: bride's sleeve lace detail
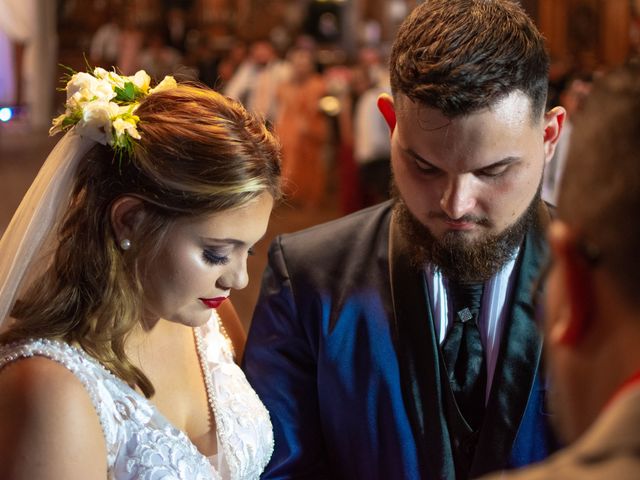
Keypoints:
pixel 83 369
pixel 141 443
pixel 243 423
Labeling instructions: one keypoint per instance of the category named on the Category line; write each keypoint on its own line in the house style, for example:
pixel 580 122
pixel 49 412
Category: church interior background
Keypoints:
pixel 38 37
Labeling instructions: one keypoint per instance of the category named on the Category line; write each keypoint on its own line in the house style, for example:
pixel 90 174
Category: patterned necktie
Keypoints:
pixel 463 353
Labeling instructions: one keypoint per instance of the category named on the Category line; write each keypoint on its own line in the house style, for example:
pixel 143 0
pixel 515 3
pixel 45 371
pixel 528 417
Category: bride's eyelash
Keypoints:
pixel 213 258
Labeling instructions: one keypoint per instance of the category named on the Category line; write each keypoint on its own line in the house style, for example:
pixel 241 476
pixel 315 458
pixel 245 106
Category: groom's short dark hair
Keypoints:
pixel 459 56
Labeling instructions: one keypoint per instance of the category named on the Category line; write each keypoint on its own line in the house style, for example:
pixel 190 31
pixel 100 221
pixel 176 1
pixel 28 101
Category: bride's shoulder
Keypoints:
pixel 45 411
pixel 44 383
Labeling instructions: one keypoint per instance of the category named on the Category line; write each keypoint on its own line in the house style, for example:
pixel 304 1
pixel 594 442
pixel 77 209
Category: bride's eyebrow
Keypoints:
pixel 231 241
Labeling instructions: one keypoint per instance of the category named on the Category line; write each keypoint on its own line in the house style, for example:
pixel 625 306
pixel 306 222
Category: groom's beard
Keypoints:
pixel 457 257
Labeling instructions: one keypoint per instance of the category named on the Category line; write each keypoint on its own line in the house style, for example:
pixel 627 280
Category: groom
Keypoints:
pixel 398 342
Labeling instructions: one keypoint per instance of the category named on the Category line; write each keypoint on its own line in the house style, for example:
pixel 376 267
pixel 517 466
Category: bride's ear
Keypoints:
pixel 126 214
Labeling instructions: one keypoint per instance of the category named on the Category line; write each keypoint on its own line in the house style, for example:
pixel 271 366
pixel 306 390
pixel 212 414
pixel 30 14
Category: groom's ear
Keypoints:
pixel 126 214
pixel 388 111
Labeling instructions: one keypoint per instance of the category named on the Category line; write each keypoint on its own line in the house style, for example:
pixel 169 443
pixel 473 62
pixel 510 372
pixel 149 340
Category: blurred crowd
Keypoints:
pixel 569 86
pixel 321 103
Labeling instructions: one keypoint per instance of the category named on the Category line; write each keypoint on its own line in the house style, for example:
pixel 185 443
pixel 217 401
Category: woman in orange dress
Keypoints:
pixel 303 131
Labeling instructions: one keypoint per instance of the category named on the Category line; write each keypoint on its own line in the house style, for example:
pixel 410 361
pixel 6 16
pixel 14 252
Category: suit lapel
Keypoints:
pixel 518 359
pixel 418 360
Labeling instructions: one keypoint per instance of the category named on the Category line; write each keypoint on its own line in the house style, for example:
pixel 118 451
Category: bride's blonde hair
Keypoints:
pixel 199 153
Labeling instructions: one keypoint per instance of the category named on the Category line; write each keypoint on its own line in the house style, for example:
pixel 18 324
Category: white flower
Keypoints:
pixel 128 126
pixel 84 87
pixel 100 73
pixel 100 113
pixel 81 81
pixel 141 80
pixel 96 121
pixel 112 78
pixel 166 83
pixel 117 80
pixel 76 101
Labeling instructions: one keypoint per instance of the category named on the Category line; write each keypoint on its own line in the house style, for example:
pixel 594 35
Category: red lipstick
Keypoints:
pixel 213 302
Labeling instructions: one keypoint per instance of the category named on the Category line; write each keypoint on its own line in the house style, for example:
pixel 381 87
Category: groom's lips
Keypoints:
pixel 453 225
pixel 213 302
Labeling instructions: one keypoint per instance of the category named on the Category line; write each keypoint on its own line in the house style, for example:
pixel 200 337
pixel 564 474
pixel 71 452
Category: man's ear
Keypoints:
pixel 553 124
pixel 126 214
pixel 576 286
pixel 388 111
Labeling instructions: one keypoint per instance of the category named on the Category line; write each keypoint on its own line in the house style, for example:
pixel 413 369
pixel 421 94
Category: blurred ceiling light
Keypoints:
pixel 5 114
pixel 330 105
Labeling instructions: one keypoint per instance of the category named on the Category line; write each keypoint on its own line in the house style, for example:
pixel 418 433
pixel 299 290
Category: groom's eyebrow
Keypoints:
pixel 505 161
pixel 425 163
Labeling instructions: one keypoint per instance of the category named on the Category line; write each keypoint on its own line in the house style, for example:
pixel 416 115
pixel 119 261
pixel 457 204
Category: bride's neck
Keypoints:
pixel 155 340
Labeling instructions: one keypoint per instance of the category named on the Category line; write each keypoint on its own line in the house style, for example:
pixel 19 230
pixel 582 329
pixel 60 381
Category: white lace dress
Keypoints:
pixel 141 443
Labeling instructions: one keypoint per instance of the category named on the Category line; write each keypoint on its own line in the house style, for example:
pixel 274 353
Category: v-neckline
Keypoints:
pixel 156 411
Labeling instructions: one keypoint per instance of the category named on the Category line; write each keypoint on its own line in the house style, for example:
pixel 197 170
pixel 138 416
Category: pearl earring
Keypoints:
pixel 125 244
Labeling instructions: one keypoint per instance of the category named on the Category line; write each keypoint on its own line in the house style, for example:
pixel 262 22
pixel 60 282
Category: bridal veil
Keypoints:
pixel 30 238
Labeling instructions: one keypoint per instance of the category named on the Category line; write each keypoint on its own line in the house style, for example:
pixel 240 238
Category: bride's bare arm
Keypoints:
pixel 49 428
pixel 235 329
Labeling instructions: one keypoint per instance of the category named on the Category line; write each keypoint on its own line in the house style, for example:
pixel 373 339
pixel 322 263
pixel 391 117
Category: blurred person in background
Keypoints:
pixel 302 128
pixel 590 316
pixel 257 79
pixel 365 170
pixel 130 41
pixel 105 43
pixel 175 29
pixel 228 64
pixel 572 98
pixel 372 146
pixel 157 58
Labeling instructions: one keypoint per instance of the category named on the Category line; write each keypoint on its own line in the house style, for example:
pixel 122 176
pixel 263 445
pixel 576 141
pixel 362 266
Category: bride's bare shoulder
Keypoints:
pixel 49 427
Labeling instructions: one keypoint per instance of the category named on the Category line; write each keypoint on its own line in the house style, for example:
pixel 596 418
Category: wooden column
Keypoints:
pixel 615 31
pixel 590 33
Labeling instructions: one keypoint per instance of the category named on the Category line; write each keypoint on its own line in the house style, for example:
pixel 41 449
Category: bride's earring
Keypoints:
pixel 125 244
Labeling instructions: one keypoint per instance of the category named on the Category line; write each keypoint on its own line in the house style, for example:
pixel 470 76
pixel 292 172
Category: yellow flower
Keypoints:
pixel 128 126
pixel 166 83
pixel 141 80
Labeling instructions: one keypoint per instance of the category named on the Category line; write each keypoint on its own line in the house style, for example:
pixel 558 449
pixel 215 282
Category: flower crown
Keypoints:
pixel 102 106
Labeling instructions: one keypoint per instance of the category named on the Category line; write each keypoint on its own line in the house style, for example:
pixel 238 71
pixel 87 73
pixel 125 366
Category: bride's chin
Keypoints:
pixel 193 320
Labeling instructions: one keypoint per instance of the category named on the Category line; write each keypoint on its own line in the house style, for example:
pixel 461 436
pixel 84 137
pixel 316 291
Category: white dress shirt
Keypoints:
pixel 494 310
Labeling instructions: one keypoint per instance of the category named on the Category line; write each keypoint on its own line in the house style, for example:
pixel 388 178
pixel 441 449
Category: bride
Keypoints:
pixel 115 362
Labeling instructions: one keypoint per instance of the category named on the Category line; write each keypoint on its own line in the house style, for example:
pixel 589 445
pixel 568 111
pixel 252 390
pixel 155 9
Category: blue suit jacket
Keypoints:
pixel 343 354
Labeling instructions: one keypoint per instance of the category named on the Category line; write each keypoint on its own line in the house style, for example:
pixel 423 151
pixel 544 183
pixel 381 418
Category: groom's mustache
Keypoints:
pixel 483 221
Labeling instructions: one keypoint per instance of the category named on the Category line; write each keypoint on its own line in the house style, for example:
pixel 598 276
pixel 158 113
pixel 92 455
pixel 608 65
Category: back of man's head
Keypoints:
pixel 463 55
pixel 600 191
